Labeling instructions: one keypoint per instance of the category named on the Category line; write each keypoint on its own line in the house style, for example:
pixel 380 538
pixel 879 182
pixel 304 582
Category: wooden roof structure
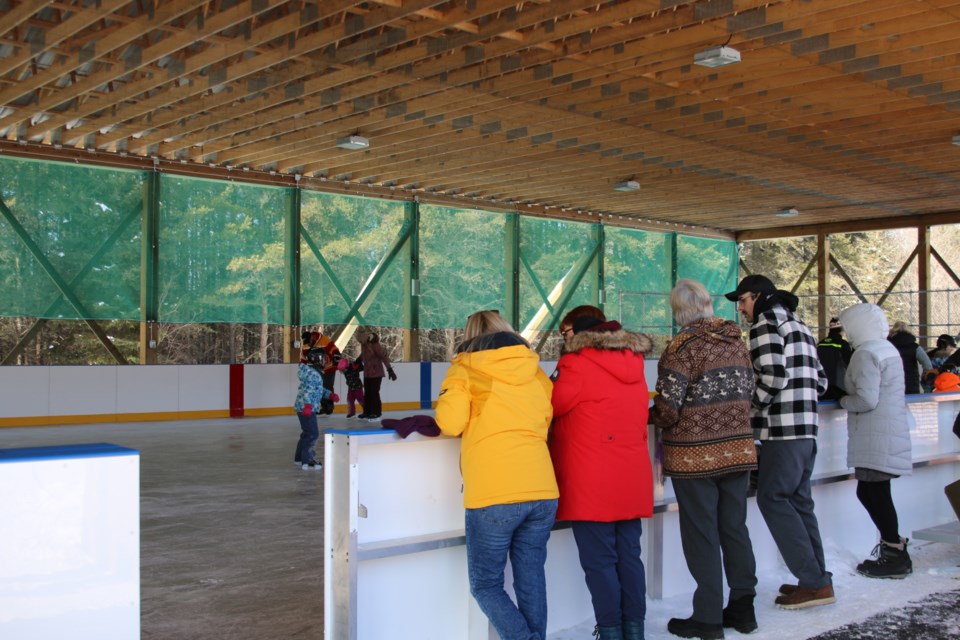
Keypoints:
pixel 846 110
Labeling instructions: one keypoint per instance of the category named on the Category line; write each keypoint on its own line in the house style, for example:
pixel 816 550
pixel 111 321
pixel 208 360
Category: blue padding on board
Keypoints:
pixel 359 432
pixel 93 450
pixel 426 384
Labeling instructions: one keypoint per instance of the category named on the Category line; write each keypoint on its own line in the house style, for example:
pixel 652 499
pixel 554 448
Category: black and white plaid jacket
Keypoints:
pixel 789 376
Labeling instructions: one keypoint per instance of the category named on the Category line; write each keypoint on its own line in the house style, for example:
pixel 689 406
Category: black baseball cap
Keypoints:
pixel 752 284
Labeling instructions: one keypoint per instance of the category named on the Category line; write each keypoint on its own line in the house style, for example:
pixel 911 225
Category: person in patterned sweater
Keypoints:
pixel 704 389
pixel 789 379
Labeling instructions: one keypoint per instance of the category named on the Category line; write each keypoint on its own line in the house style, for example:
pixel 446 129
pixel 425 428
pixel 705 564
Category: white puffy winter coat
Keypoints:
pixel 878 420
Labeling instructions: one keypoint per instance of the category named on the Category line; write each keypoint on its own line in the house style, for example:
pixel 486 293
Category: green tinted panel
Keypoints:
pixel 85 222
pixel 344 252
pixel 712 263
pixel 464 264
pixel 221 251
pixel 558 262
pixel 637 278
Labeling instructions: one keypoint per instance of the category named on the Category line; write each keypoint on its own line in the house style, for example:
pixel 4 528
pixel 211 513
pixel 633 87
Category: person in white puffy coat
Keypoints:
pixel 878 425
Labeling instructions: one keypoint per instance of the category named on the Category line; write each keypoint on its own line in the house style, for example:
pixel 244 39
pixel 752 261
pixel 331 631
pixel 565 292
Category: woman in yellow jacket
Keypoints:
pixel 497 399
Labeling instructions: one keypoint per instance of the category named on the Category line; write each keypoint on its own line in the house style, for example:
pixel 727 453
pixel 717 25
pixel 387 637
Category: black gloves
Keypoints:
pixel 391 374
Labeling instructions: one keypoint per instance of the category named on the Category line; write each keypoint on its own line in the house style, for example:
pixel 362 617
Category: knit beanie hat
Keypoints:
pixel 589 323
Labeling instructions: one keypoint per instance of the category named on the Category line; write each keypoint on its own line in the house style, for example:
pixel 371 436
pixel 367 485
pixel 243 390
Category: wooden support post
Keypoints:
pixel 411 298
pixel 291 276
pixel 149 269
pixel 823 282
pixel 923 283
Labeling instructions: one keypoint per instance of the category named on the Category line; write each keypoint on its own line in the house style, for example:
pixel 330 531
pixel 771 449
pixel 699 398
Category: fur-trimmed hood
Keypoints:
pixel 610 341
pixel 620 353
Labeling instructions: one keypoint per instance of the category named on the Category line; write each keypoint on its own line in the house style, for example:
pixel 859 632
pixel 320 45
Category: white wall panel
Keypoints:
pixel 269 385
pixel 24 391
pixel 406 388
pixel 204 387
pixel 83 390
pixel 152 389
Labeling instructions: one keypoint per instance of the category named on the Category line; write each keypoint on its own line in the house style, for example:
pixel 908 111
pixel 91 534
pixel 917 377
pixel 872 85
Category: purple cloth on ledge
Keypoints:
pixel 424 425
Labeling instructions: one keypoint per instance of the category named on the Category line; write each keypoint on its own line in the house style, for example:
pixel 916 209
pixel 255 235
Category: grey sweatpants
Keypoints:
pixel 713 518
pixel 786 502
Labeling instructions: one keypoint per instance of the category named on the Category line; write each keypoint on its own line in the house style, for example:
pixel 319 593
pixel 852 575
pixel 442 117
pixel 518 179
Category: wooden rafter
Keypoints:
pixel 843 109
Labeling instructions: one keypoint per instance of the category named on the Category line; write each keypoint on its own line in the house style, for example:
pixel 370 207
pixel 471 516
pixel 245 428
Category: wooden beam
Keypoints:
pixel 868 224
pixel 19 14
pixel 77 21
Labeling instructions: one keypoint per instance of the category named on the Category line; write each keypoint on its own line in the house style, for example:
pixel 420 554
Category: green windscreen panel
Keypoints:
pixel 221 251
pixel 83 226
pixel 637 279
pixel 558 269
pixel 346 262
pixel 463 264
pixel 714 263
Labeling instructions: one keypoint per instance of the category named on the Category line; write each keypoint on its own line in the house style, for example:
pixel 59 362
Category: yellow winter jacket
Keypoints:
pixel 498 401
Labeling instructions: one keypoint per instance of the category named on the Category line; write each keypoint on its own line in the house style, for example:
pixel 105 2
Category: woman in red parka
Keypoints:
pixel 599 447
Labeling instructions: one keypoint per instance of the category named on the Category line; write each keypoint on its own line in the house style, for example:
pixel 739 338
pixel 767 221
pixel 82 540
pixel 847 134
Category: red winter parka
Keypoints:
pixel 598 441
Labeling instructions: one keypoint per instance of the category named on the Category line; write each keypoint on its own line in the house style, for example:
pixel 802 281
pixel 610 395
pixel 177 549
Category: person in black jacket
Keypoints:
pixel 914 358
pixel 834 353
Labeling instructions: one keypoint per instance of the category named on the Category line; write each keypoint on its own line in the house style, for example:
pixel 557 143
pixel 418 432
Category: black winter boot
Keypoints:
pixel 892 561
pixel 608 633
pixel 690 628
pixel 739 615
pixel 632 630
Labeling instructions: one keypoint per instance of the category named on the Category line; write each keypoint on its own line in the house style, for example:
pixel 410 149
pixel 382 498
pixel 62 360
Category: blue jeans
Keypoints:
pixel 309 434
pixel 520 530
pixel 610 557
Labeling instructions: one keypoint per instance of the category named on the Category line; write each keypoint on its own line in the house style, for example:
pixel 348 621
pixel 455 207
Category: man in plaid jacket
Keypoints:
pixel 789 379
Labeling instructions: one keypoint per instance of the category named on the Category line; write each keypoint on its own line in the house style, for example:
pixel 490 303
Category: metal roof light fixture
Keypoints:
pixel 717 56
pixel 354 142
pixel 788 212
pixel 627 185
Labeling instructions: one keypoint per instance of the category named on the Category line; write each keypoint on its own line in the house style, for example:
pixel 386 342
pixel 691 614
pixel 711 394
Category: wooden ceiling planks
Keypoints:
pixel 844 109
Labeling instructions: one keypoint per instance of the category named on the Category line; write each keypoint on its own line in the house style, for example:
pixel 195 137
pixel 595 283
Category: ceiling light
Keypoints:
pixel 716 57
pixel 353 142
pixel 627 185
pixel 788 212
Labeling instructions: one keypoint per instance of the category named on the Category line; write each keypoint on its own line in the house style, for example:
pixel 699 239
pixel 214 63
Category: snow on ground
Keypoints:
pixel 936 569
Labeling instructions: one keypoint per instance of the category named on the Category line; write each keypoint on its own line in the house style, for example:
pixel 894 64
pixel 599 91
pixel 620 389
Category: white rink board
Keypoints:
pixel 70 545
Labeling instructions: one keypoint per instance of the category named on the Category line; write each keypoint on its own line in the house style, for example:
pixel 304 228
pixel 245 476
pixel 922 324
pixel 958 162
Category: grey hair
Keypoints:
pixel 690 301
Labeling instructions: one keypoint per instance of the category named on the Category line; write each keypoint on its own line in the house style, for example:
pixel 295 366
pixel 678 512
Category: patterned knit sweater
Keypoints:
pixel 704 387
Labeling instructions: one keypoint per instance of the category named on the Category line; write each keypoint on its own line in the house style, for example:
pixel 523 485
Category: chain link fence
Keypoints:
pixel 649 312
pixel 944 306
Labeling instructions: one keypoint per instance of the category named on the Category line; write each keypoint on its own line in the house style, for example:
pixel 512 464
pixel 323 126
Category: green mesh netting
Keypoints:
pixel 221 256
pixel 712 263
pixel 637 278
pixel 85 225
pixel 465 264
pixel 345 253
pixel 558 269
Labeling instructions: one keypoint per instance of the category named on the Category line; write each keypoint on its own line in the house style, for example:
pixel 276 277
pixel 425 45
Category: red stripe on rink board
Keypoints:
pixel 236 391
